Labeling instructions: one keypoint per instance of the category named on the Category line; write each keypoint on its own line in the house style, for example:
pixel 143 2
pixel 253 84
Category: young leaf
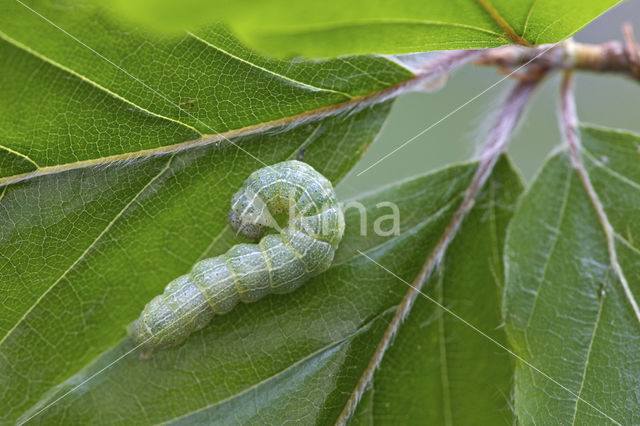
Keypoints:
pixel 571 296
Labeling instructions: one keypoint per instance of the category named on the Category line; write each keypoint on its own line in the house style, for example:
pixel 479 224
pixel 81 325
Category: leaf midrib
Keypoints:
pixel 409 231
pixel 610 237
pixel 497 17
pixel 485 5
pixel 205 139
pixel 607 228
pixel 288 121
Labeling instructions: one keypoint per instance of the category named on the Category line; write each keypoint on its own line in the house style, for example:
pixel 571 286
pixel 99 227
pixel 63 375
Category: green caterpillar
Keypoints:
pixel 279 263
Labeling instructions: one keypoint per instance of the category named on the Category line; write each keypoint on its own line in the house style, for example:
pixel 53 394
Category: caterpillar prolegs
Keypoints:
pixel 291 192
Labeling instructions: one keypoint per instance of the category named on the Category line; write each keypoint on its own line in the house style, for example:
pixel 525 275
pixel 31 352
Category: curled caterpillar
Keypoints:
pixel 291 193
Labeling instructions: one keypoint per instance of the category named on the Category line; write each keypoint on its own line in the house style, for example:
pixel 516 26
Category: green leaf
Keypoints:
pixel 82 89
pixel 114 182
pixel 457 375
pixel 330 28
pixel 567 311
pixel 295 357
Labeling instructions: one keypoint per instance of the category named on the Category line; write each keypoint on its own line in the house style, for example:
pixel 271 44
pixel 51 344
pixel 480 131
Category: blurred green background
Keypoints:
pixel 602 99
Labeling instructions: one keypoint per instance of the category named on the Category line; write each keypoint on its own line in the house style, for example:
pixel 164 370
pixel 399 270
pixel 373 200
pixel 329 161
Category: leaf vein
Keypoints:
pixel 557 233
pixel 586 362
pixel 268 71
pixel 529 13
pixel 86 251
pixel 58 65
pixel 612 172
pixel 337 26
pixel 405 233
pixel 19 154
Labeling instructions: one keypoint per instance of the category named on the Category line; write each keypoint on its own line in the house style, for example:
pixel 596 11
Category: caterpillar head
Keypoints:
pixel 249 216
pixel 245 227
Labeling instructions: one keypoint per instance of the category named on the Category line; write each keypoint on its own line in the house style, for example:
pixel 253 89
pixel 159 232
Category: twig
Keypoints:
pixel 496 143
pixel 609 57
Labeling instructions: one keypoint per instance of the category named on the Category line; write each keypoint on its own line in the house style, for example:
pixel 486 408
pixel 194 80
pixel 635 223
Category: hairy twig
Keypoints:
pixel 609 57
pixel 496 143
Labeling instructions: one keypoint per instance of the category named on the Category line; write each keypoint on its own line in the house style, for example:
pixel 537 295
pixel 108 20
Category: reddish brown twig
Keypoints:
pixel 610 57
